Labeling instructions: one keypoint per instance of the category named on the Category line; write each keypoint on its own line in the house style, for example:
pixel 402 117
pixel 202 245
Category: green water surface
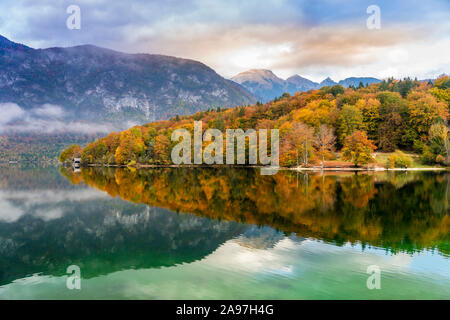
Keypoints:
pixel 222 234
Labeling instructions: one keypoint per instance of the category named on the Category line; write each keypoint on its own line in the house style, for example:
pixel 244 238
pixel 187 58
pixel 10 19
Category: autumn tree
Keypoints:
pixel 112 142
pixel 441 94
pixel 398 159
pixel 424 110
pixel 124 153
pixel 441 89
pixel 316 113
pixel 334 90
pixel 161 148
pixel 393 120
pixel 443 82
pixel 371 116
pixel 297 144
pixel 74 151
pixel 324 141
pixel 218 123
pixel 358 148
pixel 439 142
pixel 390 132
pixel 350 119
pixel 87 154
pixel 130 148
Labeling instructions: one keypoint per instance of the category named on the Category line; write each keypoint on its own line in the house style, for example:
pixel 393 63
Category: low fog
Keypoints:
pixel 48 119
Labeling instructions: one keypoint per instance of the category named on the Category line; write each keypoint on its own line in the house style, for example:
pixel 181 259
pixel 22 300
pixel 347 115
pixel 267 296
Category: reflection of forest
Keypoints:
pixel 30 177
pixel 398 211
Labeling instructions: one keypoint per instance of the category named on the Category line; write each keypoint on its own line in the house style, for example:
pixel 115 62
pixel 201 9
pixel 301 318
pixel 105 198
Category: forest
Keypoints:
pixel 314 126
pixel 39 147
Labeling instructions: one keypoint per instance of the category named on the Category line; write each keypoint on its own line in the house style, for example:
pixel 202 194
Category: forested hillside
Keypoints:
pixel 407 114
pixel 30 147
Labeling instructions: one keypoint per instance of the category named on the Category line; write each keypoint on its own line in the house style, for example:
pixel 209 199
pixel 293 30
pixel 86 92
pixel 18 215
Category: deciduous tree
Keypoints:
pixel 358 148
pixel 324 141
pixel 350 119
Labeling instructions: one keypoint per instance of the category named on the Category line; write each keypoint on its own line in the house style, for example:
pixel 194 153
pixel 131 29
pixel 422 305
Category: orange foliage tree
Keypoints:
pixel 358 148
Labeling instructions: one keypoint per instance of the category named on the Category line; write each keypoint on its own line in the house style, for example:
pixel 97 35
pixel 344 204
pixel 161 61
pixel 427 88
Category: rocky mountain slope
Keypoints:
pixel 99 84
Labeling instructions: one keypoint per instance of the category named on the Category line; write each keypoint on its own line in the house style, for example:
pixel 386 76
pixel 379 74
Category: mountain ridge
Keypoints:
pixel 273 86
pixel 95 83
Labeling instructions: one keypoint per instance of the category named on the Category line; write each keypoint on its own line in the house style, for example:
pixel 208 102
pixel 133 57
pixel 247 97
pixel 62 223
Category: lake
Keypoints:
pixel 229 233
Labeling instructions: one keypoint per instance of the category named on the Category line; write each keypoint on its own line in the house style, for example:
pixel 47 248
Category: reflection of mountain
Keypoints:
pixel 259 237
pixel 102 236
pixel 339 208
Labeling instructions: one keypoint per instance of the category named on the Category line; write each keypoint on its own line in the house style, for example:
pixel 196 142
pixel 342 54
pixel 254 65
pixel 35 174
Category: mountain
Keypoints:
pixel 297 83
pixel 263 84
pixel 266 86
pixel 328 82
pixel 99 84
pixel 356 81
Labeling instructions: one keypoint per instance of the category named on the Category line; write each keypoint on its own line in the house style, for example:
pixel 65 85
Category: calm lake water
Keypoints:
pixel 223 234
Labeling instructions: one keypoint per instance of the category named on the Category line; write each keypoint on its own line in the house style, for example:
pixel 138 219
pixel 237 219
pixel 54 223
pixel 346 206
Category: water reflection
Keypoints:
pixel 43 229
pixel 399 211
pixel 238 235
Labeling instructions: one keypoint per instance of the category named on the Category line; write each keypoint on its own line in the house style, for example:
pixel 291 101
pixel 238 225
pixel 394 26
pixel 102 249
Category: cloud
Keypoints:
pixel 48 111
pixel 9 112
pixel 48 118
pixel 313 38
pixel 338 51
pixel 44 204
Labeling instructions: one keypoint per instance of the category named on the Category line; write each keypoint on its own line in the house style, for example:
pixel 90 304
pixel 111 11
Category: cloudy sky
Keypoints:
pixel 316 38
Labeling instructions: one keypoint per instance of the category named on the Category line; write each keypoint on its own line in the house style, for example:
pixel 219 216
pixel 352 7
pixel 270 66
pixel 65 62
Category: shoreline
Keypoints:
pixel 369 169
pixel 299 169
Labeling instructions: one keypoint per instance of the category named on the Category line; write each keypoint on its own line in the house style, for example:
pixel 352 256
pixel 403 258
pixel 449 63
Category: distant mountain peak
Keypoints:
pixel 262 83
pixel 299 80
pixel 294 78
pixel 328 82
pixel 266 86
pixel 262 76
pixel 259 71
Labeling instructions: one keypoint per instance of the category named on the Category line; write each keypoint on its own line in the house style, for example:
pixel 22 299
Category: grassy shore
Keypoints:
pixel 380 164
pixel 382 159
